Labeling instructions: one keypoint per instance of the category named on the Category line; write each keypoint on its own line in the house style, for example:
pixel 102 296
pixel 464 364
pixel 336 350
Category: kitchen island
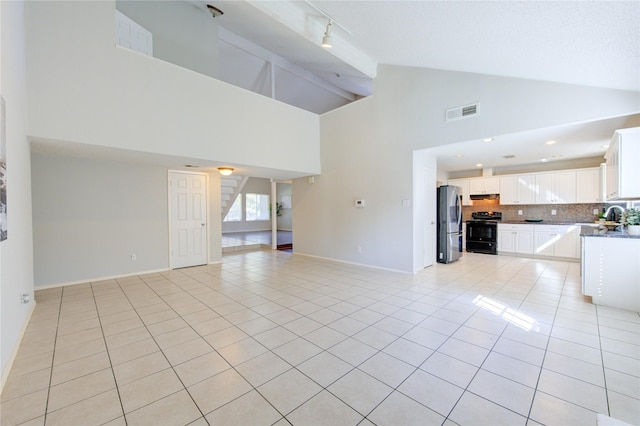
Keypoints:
pixel 611 267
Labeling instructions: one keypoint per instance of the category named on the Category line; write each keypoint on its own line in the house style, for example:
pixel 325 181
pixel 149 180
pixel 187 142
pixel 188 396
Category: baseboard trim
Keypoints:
pixel 364 265
pixel 97 279
pixel 16 348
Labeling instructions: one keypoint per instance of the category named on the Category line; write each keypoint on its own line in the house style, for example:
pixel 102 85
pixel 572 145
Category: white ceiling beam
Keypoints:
pixel 300 18
pixel 270 57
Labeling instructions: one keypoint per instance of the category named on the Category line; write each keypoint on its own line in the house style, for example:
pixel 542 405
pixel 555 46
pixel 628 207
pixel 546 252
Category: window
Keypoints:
pixel 257 207
pixel 235 212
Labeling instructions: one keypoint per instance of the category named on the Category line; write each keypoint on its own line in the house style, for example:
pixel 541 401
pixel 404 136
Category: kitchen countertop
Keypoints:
pixel 595 231
pixel 523 222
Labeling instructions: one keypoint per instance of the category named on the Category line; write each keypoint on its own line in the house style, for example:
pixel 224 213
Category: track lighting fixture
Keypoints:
pixel 326 40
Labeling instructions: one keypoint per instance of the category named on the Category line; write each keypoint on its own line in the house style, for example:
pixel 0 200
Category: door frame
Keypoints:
pixel 169 211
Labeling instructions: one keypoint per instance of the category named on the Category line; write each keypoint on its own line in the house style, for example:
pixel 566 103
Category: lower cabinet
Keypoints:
pixel 514 238
pixel 557 241
pixel 611 271
pixel 541 240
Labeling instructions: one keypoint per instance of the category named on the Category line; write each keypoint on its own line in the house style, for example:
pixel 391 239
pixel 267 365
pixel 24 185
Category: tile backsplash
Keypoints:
pixel 578 213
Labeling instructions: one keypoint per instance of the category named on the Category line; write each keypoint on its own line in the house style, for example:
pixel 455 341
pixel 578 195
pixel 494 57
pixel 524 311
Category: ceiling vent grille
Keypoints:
pixel 463 112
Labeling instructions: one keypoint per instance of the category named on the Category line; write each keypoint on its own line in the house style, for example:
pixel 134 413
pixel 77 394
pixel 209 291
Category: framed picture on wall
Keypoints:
pixel 3 170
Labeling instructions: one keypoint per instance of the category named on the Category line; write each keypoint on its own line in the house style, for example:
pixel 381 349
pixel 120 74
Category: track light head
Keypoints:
pixel 326 40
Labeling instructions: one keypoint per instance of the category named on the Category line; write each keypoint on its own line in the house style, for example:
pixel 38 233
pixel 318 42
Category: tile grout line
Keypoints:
pixel 216 351
pixel 53 357
pixel 546 349
pixel 230 365
pixel 159 348
pixel 466 389
pixel 104 338
pixel 604 371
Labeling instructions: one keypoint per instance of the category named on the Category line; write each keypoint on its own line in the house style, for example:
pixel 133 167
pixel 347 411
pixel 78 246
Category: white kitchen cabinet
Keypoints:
pixel 556 187
pixel 485 185
pixel 515 238
pixel 589 185
pixel 517 189
pixel 464 184
pixel 623 165
pixel 611 271
pixel 557 241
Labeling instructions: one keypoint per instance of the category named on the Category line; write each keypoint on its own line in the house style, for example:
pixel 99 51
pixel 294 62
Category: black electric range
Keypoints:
pixel 482 232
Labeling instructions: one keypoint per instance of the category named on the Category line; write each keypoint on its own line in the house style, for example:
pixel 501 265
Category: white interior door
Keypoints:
pixel 188 219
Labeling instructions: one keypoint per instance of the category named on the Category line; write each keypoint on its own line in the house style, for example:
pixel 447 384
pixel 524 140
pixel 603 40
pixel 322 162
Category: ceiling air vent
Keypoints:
pixel 463 112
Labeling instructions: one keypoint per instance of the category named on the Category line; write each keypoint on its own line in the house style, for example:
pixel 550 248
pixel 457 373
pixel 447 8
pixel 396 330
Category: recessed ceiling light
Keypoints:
pixel 556 156
pixel 551 142
pixel 487 139
pixel 544 160
pixel 508 156
pixel 479 165
pixel 459 155
pixel 605 146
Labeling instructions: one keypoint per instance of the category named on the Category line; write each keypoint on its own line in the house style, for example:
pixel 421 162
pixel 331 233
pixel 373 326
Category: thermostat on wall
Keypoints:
pixel 359 203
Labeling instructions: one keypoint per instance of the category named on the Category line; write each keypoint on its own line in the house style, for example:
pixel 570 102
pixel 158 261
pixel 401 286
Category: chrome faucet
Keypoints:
pixel 606 214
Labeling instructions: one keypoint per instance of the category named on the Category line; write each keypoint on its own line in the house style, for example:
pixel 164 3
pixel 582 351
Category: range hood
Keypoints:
pixel 484 196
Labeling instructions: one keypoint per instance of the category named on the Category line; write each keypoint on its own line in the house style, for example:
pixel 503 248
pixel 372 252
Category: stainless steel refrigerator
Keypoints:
pixel 449 227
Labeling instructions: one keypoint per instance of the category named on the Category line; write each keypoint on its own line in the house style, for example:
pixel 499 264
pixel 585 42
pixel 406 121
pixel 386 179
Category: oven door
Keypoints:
pixel 482 231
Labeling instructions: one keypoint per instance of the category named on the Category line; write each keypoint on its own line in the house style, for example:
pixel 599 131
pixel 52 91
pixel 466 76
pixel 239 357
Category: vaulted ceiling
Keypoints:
pixel 593 43
pixel 590 43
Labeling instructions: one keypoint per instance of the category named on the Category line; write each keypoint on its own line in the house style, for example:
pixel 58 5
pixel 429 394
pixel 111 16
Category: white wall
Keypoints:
pixel 418 98
pixel 113 97
pixel 191 39
pixel 89 215
pixel 367 152
pixel 16 259
pixel 363 157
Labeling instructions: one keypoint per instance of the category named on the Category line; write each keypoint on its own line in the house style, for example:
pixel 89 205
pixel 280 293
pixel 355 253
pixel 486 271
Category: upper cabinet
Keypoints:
pixel 517 189
pixel 485 185
pixel 623 165
pixel 581 186
pixel 556 187
pixel 464 184
pixel 588 185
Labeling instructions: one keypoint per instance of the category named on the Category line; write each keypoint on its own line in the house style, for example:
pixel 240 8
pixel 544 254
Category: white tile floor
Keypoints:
pixel 273 338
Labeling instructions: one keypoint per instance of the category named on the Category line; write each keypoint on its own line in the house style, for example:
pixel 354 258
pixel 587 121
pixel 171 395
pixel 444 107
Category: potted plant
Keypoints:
pixel 632 221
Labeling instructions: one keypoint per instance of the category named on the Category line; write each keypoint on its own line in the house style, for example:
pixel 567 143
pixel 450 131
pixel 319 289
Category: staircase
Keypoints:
pixel 230 187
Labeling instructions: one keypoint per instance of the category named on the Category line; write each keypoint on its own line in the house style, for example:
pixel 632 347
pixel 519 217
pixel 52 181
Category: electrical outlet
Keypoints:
pixel 24 298
pixel 132 256
pixel 595 211
pixel 519 212
pixel 359 249
pixel 553 212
